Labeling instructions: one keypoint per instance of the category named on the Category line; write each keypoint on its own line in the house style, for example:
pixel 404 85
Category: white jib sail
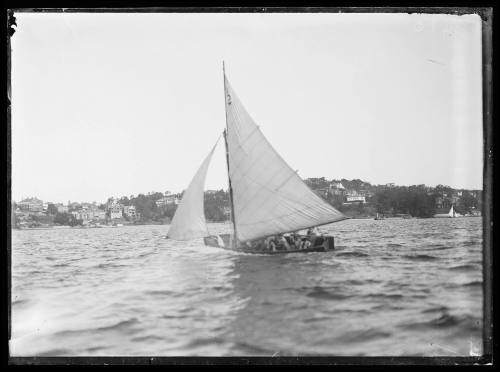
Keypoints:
pixel 268 196
pixel 189 219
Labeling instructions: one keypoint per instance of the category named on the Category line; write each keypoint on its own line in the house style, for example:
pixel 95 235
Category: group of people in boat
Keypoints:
pixel 285 242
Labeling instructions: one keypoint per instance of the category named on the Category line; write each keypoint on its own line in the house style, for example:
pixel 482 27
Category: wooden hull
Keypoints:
pixel 318 244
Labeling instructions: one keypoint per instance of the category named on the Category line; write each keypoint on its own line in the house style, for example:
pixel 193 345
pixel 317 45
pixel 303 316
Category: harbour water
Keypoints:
pixel 391 287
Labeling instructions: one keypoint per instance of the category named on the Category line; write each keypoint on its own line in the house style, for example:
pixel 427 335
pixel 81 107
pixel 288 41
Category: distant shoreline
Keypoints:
pixel 64 227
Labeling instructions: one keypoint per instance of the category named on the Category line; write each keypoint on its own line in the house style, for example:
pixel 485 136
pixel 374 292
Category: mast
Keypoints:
pixel 227 160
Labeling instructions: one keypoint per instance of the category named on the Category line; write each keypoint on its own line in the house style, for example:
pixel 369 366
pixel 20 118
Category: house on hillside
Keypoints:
pixel 115 211
pixel 336 188
pixel 129 211
pixel 166 200
pixel 355 199
pixel 31 204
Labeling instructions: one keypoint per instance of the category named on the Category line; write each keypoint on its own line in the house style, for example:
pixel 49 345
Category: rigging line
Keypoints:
pixel 286 181
pixel 248 137
pixel 256 160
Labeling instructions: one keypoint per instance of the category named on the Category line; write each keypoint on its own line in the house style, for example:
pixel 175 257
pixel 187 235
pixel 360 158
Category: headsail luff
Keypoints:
pixel 268 196
pixel 189 219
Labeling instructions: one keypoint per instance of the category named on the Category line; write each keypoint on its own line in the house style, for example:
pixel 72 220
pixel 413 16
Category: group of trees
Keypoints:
pixel 413 200
pixel 148 210
pixel 215 204
pixel 416 200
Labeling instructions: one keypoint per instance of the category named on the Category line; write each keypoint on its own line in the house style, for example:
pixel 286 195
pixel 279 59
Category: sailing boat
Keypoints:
pixel 453 213
pixel 268 198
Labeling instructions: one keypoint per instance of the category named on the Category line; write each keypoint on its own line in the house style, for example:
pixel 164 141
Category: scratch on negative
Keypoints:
pixel 444 348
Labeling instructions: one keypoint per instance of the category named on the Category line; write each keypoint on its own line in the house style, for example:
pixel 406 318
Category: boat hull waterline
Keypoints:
pixel 318 243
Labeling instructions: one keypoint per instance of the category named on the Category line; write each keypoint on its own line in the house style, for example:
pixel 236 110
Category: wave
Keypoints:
pixel 421 257
pixel 364 335
pixel 147 338
pixel 475 283
pixel 252 349
pixel 437 247
pixel 61 265
pixel 394 245
pixel 321 293
pixel 161 293
pixel 436 309
pixel 95 348
pixel 352 254
pixel 387 307
pixel 54 352
pixel 468 243
pixel 166 316
pixel 446 320
pixel 124 325
pixel 464 267
pixel 205 341
pixel 107 265
pixel 391 296
pixel 360 282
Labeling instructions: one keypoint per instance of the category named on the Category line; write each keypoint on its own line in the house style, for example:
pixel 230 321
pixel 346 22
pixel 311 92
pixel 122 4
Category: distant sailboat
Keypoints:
pixel 453 213
pixel 267 196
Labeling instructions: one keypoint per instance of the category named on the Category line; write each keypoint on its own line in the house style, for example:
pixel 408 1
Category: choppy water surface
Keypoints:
pixel 391 287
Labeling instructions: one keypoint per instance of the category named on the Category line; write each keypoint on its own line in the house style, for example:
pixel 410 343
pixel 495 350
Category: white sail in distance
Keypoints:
pixel 189 218
pixel 453 213
pixel 269 197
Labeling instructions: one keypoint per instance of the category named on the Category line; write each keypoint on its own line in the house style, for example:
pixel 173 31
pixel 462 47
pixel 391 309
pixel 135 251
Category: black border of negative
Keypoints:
pixel 489 342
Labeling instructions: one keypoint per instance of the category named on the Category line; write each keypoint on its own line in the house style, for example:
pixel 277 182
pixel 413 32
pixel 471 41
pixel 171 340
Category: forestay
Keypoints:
pixel 189 219
pixel 268 196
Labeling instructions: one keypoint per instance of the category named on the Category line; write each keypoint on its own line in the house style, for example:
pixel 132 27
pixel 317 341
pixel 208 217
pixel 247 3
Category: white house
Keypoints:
pixel 129 211
pixel 169 199
pixel 351 199
pixel 115 211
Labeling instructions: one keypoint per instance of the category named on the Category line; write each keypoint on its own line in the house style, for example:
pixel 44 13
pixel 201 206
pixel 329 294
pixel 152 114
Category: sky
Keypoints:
pixel 120 104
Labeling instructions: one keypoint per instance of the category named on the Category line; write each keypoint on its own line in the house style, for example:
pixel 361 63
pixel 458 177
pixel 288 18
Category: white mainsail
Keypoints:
pixel 268 196
pixel 189 219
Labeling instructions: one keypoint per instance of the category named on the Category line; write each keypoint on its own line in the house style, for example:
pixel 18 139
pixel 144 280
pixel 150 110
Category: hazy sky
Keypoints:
pixel 120 104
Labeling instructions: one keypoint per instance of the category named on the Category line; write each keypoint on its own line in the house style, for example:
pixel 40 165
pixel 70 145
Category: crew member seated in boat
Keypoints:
pixel 270 244
pixel 297 241
pixel 284 243
pixel 306 243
